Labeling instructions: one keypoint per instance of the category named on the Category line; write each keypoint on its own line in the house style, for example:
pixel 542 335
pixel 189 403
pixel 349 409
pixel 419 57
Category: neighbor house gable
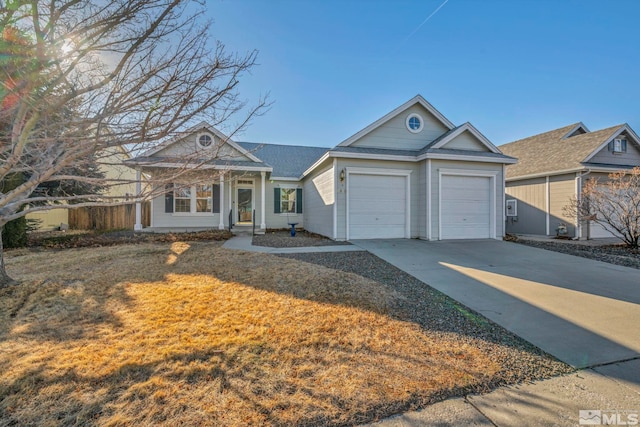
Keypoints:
pixel 629 145
pixel 392 131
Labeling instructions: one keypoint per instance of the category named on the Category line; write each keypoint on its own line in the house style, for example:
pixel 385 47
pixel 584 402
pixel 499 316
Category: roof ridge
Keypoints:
pixel 565 129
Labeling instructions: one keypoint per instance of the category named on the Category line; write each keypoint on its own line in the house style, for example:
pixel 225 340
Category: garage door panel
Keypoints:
pixel 465 207
pixel 377 206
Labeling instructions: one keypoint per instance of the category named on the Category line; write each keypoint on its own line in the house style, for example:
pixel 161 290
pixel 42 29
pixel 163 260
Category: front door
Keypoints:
pixel 245 205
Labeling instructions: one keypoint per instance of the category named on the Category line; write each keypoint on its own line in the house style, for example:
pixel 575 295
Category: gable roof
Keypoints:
pixel 553 152
pixel 199 127
pixel 441 141
pixel 418 99
pixel 287 161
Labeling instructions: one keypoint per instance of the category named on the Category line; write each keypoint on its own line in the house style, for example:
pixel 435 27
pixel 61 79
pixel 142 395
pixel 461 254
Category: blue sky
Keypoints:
pixel 513 68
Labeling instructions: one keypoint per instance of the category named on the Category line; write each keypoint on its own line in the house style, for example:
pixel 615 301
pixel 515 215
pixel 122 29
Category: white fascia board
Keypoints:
pixel 545 174
pixel 475 132
pixel 284 178
pixel 575 128
pixel 466 158
pixel 203 166
pixel 318 162
pixel 363 156
pixel 418 99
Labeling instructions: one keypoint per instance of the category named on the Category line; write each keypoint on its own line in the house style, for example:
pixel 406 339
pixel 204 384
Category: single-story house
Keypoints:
pixel 552 169
pixel 410 174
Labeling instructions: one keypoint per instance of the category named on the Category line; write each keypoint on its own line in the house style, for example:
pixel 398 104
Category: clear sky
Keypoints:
pixel 513 68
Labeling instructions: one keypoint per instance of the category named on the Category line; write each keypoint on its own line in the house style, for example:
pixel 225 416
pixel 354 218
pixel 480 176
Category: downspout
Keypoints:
pixel 579 177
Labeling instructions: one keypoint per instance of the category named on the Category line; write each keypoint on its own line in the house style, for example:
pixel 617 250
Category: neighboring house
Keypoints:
pixel 112 165
pixel 410 174
pixel 553 168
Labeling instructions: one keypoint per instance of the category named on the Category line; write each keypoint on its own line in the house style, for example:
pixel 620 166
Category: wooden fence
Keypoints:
pixel 108 217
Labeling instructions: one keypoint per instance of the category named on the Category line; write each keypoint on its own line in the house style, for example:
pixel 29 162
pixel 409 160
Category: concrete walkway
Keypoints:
pixel 244 243
pixel 584 312
pixel 554 402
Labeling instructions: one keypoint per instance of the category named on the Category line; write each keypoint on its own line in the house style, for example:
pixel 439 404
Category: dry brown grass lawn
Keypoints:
pixel 193 334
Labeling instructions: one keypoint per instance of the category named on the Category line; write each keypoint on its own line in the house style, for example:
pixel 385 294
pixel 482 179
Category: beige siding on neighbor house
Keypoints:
pixel 50 219
pixel 531 196
pixel 631 157
pixel 341 196
pixel 319 200
pixel 465 141
pixel 436 165
pixel 561 189
pixel 395 135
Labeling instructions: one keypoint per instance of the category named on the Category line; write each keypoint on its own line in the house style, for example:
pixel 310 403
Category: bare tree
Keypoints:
pixel 613 204
pixel 81 77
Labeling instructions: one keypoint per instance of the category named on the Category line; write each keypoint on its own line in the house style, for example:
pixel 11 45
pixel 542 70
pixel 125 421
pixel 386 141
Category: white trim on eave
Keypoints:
pixel 466 158
pixel 205 166
pixel 475 132
pixel 418 99
pixel 624 127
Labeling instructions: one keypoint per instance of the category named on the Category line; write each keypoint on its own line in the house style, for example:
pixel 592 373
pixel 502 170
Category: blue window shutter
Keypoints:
pixel 215 193
pixel 168 198
pixel 276 200
pixel 611 146
pixel 298 200
pixel 623 145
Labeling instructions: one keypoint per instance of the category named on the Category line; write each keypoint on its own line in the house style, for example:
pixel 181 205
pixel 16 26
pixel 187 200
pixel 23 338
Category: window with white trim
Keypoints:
pixel 182 199
pixel 288 200
pixel 205 140
pixel 204 196
pixel 619 145
pixel 414 123
pixel 193 199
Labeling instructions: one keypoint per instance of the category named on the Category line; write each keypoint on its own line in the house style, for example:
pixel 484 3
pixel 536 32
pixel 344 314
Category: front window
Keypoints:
pixel 204 196
pixel 288 200
pixel 182 197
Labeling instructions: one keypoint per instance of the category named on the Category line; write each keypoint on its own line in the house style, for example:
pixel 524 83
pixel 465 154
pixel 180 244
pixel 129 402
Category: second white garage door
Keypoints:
pixel 466 207
pixel 377 206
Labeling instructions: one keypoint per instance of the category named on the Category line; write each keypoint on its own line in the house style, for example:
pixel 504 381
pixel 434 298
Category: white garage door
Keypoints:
pixel 377 206
pixel 466 207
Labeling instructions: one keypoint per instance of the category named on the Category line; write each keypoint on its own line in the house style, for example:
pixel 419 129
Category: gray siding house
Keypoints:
pixel 410 174
pixel 552 169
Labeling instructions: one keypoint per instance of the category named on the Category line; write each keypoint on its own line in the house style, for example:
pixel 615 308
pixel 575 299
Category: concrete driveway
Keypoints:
pixel 583 312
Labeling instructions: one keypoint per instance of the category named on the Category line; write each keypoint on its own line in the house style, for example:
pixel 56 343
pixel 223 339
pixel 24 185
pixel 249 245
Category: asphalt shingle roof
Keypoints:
pixel 286 160
pixel 548 152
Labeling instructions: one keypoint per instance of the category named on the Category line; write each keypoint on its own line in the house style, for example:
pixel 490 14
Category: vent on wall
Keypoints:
pixel 512 207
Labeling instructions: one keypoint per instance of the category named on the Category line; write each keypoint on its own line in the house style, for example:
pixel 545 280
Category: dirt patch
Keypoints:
pixel 283 239
pixel 82 239
pixel 618 254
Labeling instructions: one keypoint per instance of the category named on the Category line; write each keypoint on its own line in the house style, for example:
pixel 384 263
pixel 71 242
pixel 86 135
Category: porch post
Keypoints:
pixel 263 203
pixel 230 199
pixel 221 225
pixel 138 225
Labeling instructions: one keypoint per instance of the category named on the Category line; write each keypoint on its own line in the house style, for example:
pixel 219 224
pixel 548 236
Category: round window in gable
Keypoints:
pixel 205 140
pixel 414 123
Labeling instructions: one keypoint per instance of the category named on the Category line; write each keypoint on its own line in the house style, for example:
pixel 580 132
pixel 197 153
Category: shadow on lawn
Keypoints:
pixel 69 306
